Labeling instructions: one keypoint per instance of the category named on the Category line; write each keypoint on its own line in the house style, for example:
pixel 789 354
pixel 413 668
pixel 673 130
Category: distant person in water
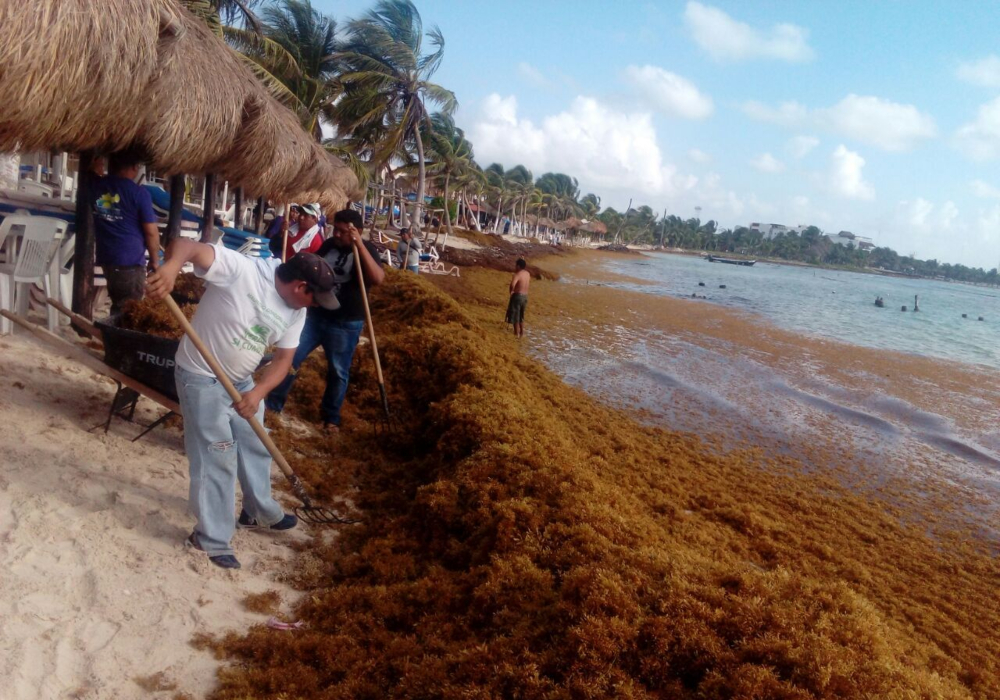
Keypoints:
pixel 518 297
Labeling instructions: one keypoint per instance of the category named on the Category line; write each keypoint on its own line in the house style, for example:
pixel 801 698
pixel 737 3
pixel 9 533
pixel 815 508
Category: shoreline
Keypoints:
pixel 614 277
pixel 715 366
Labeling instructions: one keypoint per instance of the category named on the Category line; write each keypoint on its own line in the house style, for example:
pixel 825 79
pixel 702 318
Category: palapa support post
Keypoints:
pixel 176 209
pixel 259 221
pixel 208 228
pixel 85 246
pixel 238 209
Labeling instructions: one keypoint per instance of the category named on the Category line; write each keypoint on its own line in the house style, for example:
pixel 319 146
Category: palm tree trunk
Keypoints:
pixel 421 177
pixel 496 221
pixel 447 210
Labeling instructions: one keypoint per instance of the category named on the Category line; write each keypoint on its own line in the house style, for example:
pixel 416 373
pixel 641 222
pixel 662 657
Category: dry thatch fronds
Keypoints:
pixel 193 106
pixel 78 74
pixel 71 71
pixel 597 227
pixel 270 149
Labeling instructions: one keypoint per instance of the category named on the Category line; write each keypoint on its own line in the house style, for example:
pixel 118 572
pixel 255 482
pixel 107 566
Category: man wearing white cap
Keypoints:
pixel 304 236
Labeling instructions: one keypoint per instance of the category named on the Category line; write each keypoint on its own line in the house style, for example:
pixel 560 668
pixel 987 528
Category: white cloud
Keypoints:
pixel 699 156
pixel 890 126
pixel 985 190
pixel 607 150
pixel 726 39
pixel 668 92
pixel 766 163
pixel 887 125
pixel 924 216
pixel 845 177
pixel 532 74
pixel 980 140
pixel 786 114
pixel 800 146
pixel 984 72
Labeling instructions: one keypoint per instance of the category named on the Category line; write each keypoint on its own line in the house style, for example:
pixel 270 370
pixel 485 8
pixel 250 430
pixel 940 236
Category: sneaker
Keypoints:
pixel 248 523
pixel 331 429
pixel 223 561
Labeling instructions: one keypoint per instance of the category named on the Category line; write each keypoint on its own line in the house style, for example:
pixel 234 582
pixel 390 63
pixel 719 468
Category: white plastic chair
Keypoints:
pixel 36 188
pixel 32 263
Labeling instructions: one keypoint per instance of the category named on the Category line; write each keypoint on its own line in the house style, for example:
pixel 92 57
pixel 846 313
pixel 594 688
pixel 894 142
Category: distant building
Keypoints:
pixel 769 231
pixel 851 240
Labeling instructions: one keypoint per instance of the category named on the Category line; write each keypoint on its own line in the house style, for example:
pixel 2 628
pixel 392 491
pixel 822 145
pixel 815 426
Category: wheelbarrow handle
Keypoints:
pixel 234 394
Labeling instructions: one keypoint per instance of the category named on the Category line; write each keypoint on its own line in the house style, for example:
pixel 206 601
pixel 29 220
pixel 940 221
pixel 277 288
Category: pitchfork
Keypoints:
pixel 317 515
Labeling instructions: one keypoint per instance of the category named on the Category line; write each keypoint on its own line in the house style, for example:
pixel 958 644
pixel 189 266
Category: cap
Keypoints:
pixel 316 272
pixel 312 209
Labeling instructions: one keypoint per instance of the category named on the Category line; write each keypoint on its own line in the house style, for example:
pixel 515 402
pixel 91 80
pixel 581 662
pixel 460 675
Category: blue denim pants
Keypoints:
pixel 222 449
pixel 338 339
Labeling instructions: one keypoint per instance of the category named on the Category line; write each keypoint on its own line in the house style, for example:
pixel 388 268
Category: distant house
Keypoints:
pixel 851 240
pixel 769 231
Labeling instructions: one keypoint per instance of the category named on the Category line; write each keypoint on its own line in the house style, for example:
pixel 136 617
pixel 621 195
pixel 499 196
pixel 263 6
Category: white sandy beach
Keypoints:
pixel 98 590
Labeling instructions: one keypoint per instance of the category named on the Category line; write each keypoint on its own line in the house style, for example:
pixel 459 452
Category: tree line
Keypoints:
pixel 370 80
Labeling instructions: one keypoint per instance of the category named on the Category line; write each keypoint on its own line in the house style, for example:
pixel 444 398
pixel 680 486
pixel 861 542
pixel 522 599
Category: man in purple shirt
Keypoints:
pixel 125 228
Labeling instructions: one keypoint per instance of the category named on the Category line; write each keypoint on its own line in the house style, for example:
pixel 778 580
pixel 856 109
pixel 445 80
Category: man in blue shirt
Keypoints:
pixel 125 228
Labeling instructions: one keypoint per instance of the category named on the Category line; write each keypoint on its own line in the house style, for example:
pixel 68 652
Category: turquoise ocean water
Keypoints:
pixel 835 304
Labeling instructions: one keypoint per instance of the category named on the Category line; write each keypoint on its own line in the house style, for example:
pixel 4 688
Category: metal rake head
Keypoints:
pixel 319 515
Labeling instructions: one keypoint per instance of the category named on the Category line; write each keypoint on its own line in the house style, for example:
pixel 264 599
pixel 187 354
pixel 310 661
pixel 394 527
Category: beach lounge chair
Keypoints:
pixel 244 242
pixel 431 264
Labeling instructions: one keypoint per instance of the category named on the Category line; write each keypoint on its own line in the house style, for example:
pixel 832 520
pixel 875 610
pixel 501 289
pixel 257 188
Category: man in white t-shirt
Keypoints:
pixel 249 305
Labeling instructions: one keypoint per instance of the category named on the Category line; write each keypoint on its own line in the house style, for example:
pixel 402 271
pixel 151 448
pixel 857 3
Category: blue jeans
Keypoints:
pixel 415 269
pixel 222 448
pixel 338 338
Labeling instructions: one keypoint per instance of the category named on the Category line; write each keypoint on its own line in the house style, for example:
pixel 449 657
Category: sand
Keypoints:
pixel 98 590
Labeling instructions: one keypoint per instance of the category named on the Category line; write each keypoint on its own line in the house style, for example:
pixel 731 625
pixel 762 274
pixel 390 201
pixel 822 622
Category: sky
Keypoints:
pixel 880 118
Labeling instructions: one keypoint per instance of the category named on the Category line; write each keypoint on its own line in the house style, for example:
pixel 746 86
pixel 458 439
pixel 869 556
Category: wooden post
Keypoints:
pixel 238 210
pixel 85 246
pixel 208 228
pixel 176 209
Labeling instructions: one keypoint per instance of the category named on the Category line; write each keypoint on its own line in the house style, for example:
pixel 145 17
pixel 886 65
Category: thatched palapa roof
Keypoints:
pixel 597 227
pixel 83 74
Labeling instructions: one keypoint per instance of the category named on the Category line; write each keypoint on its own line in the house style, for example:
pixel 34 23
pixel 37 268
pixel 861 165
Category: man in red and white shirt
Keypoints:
pixel 305 235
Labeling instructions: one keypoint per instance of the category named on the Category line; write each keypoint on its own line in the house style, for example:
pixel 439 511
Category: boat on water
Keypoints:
pixel 731 261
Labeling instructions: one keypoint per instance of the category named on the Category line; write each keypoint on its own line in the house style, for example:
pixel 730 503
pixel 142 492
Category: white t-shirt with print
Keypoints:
pixel 239 316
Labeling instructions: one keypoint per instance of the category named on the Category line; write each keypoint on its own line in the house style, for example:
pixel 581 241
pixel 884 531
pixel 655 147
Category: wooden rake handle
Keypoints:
pixel 368 313
pixel 236 396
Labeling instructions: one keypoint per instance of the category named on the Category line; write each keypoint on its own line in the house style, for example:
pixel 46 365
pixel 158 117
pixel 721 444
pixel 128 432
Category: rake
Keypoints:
pixel 310 513
pixel 388 423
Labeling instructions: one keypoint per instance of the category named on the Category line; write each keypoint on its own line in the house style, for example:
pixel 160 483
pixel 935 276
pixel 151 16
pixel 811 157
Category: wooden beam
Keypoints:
pixel 208 228
pixel 85 244
pixel 238 210
pixel 78 354
pixel 77 319
pixel 259 221
pixel 176 209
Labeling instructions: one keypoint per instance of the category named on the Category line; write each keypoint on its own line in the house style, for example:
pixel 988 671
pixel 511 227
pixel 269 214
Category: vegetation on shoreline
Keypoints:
pixel 522 540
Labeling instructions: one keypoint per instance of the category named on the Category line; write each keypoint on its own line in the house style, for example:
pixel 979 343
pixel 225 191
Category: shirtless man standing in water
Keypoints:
pixel 518 297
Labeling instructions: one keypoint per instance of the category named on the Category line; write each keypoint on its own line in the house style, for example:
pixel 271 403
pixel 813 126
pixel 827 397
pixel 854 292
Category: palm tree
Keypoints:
pixel 310 38
pixel 591 204
pixel 386 82
pixel 520 183
pixel 451 155
pixel 497 184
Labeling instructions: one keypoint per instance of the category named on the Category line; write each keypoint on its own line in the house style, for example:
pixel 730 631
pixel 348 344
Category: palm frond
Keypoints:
pixel 264 51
